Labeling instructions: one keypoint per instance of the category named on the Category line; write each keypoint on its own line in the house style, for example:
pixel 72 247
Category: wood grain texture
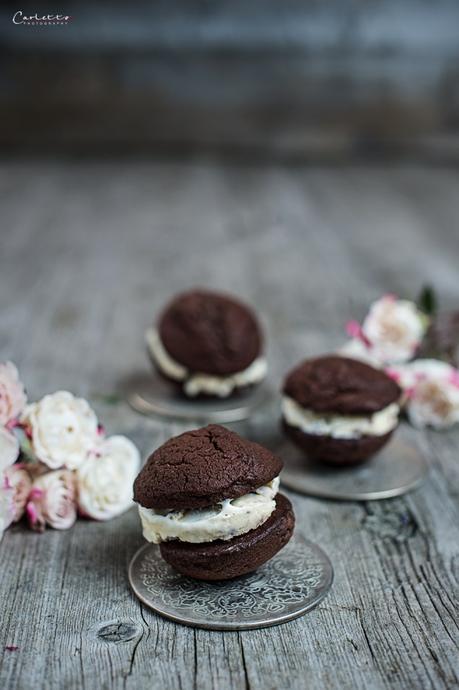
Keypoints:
pixel 89 253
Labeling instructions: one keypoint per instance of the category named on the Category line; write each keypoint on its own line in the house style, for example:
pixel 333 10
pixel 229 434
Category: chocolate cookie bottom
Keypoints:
pixel 223 560
pixel 340 452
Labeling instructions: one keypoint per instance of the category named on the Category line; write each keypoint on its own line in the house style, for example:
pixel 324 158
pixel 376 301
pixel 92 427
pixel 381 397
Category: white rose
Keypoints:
pixel 12 395
pixel 432 392
pixel 20 483
pixel 106 477
pixel 62 429
pixel 52 501
pixel 393 328
pixel 9 448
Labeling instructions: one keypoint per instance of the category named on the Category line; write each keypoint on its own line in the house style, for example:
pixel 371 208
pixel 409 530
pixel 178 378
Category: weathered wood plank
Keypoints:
pixel 88 255
pixel 293 81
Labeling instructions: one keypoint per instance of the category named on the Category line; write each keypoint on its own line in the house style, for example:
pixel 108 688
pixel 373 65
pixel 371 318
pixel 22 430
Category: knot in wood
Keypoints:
pixel 117 631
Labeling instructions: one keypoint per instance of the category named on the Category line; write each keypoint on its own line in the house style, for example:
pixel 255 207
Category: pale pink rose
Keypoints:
pixel 12 394
pixel 435 404
pixel 20 483
pixel 9 448
pixel 106 477
pixel 432 392
pixel 62 429
pixel 409 374
pixel 52 501
pixel 6 510
pixel 392 330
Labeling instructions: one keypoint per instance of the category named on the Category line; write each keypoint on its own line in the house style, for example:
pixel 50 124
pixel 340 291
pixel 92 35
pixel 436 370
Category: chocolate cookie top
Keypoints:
pixel 333 384
pixel 210 333
pixel 202 467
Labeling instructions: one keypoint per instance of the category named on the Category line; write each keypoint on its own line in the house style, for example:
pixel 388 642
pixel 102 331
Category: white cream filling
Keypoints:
pixel 163 359
pixel 340 426
pixel 196 383
pixel 226 520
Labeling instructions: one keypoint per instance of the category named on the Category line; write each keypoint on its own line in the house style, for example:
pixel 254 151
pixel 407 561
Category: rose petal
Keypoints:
pixel 394 328
pixel 20 484
pixel 63 429
pixel 9 448
pixel 12 394
pixel 52 500
pixel 105 482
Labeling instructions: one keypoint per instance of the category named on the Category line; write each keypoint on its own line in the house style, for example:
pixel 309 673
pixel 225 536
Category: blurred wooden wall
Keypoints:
pixel 303 79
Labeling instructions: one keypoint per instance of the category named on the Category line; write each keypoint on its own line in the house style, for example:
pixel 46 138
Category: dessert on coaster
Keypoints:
pixel 208 343
pixel 210 499
pixel 339 410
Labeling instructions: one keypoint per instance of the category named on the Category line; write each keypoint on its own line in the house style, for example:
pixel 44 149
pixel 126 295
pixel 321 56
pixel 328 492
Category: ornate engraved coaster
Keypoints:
pixel 150 394
pixel 289 585
pixel 398 468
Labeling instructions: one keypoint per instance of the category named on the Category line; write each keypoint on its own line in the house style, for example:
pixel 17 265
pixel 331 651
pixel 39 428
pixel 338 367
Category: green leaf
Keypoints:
pixel 427 300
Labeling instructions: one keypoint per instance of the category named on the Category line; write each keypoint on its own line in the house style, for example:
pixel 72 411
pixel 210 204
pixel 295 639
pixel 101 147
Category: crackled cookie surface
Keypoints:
pixel 340 385
pixel 202 467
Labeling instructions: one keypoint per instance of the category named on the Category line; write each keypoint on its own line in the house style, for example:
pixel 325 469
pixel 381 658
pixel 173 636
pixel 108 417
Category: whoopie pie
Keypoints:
pixel 210 343
pixel 209 498
pixel 339 410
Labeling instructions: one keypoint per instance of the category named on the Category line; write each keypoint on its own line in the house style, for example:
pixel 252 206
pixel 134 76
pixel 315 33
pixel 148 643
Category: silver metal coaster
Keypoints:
pixel 398 468
pixel 289 585
pixel 150 394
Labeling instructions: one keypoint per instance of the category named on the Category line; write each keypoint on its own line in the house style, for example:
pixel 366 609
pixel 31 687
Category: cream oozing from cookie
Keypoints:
pixel 195 383
pixel 228 519
pixel 340 426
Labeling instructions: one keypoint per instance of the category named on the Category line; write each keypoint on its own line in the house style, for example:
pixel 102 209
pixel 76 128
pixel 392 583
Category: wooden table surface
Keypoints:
pixel 89 253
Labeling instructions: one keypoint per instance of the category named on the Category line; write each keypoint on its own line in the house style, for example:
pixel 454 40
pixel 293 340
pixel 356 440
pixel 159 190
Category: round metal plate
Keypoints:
pixel 398 468
pixel 150 394
pixel 289 585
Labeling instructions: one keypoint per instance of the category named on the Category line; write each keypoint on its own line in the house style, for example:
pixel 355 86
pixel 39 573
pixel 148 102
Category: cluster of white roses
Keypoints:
pixel 55 461
pixel 389 338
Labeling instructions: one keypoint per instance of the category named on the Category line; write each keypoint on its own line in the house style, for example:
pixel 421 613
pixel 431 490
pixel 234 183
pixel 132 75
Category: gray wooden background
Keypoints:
pixel 89 252
pixel 296 78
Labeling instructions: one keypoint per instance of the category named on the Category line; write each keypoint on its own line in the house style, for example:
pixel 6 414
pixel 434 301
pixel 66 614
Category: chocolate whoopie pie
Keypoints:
pixel 210 343
pixel 339 410
pixel 209 498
